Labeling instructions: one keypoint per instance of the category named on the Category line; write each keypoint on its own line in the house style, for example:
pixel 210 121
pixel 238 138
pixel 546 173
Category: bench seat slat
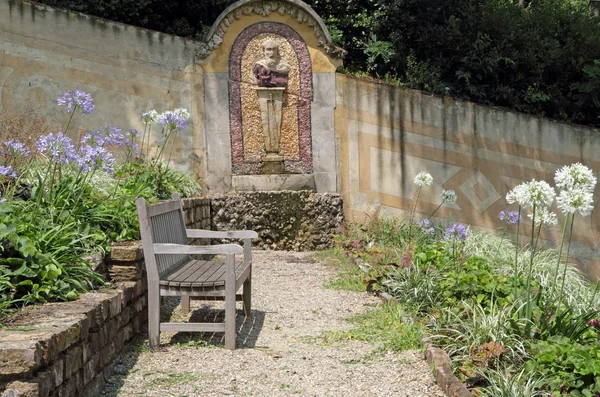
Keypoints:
pixel 181 271
pixel 201 274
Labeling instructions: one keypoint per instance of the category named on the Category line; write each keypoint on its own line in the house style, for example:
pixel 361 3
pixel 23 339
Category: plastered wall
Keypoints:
pixel 46 51
pixel 388 134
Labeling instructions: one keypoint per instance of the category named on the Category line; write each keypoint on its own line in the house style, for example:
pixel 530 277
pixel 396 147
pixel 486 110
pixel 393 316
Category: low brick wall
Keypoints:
pixel 284 220
pixel 65 349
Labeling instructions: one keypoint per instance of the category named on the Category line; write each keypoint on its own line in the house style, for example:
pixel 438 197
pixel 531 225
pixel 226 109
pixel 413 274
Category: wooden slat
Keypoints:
pixel 198 278
pixel 238 234
pixel 181 249
pixel 186 279
pixel 166 291
pixel 193 327
pixel 216 279
pixel 241 273
pixel 161 208
pixel 183 271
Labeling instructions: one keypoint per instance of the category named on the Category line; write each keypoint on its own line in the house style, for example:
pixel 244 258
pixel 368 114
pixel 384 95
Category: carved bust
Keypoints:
pixel 271 71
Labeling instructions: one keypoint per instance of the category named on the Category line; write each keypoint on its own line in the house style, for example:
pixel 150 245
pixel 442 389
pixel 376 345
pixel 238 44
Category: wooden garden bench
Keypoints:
pixel 172 271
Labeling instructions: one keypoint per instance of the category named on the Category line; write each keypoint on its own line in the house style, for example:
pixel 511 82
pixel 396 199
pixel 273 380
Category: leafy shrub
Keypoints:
pixel 569 366
pixel 69 199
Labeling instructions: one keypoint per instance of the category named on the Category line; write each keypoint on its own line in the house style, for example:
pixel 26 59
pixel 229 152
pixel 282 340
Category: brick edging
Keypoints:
pixel 436 357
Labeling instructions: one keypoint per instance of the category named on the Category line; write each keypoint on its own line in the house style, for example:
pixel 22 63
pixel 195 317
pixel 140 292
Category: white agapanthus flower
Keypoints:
pixel 449 196
pixel 576 200
pixel 544 216
pixel 528 194
pixel 182 112
pixel 517 194
pixel 150 117
pixel 423 179
pixel 575 176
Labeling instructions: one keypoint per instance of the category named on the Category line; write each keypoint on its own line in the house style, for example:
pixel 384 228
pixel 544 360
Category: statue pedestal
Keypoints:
pixel 270 100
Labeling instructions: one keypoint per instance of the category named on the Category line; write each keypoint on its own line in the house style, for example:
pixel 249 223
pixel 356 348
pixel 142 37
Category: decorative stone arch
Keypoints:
pixel 296 9
pixel 304 164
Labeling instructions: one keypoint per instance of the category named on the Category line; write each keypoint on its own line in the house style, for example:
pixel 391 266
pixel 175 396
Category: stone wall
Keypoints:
pixel 285 220
pixel 388 134
pixel 66 349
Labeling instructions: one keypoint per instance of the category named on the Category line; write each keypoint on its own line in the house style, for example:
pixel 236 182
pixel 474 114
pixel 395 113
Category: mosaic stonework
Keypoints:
pixel 252 133
pixel 247 140
pixel 265 8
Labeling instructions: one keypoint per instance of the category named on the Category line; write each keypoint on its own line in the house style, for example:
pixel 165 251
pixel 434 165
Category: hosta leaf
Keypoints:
pixel 24 271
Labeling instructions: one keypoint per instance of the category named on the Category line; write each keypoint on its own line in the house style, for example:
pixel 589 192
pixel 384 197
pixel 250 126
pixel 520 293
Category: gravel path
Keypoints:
pixel 279 352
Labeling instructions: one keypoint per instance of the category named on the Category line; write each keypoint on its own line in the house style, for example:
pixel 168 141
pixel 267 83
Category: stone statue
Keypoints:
pixel 271 71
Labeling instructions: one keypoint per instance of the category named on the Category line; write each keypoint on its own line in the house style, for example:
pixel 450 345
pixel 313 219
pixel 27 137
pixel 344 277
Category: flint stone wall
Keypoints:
pixel 284 220
pixel 67 349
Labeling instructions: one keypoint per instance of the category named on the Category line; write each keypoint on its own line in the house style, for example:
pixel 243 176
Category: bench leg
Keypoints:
pixel 230 327
pixel 247 295
pixel 185 304
pixel 153 317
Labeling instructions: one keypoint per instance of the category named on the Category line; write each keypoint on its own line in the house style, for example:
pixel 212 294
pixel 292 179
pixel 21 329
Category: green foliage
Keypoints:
pixel 570 366
pixel 390 325
pixel 475 281
pixel 348 276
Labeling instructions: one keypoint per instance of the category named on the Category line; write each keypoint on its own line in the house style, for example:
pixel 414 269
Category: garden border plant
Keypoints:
pixel 511 318
pixel 65 200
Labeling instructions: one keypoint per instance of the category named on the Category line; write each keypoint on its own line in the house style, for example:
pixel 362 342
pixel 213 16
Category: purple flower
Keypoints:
pixel 107 136
pixel 511 217
pixel 75 99
pixel 172 121
pixel 455 231
pixel 95 158
pixel 7 171
pixel 129 142
pixel 14 149
pixel 58 148
pixel 426 226
pixel 594 323
pixel 356 244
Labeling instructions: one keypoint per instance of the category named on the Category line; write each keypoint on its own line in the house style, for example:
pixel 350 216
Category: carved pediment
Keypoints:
pixel 295 9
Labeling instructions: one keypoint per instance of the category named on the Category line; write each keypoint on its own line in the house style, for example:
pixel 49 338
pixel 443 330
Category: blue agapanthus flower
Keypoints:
pixel 92 158
pixel 57 147
pixel 75 99
pixel 456 231
pixel 14 149
pixel 7 171
pixel 172 120
pixel 510 217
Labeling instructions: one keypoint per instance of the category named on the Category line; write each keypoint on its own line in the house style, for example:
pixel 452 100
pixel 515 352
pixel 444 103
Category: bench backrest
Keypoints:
pixel 162 223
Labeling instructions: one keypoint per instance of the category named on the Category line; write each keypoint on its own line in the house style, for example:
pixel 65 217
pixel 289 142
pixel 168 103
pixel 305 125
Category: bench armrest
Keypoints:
pixel 238 234
pixel 182 249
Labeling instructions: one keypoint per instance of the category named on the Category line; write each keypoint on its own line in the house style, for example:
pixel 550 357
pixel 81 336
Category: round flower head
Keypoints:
pixel 535 193
pixel 150 117
pixel 517 194
pixel 7 171
pixel 449 196
pixel 457 231
pixel 575 176
pixel 14 149
pixel 572 200
pixel 75 99
pixel 544 217
pixel 183 113
pixel 172 121
pixel 58 148
pixel 510 217
pixel 95 158
pixel 423 179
